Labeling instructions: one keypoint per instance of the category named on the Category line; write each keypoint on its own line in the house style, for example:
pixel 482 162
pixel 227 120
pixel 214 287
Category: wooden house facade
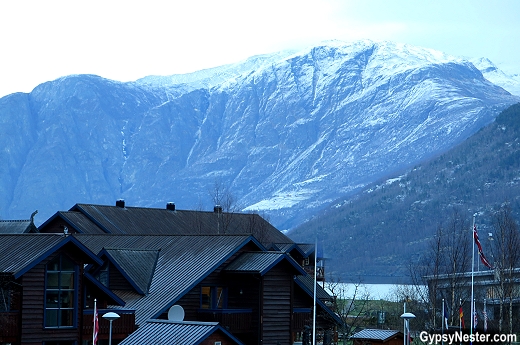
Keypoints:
pixel 227 284
pixel 43 290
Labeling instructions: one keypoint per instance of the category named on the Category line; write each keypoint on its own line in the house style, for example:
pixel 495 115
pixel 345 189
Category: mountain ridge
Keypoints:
pixel 286 138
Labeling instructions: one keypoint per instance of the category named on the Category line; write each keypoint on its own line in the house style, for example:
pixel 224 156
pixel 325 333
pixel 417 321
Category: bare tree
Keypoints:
pixel 457 248
pixel 225 205
pixel 506 257
pixel 351 305
pixel 427 273
pixel 446 258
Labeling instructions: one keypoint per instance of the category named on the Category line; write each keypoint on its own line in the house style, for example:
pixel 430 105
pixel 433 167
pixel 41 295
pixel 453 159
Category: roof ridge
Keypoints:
pixel 15 220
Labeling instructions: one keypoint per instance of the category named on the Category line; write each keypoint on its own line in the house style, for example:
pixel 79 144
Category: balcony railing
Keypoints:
pixel 9 327
pixel 236 320
pixel 120 327
pixel 301 317
pixel 320 272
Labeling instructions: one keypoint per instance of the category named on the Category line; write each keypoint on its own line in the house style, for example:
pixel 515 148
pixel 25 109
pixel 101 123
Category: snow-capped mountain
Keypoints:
pixel 287 133
pixel 509 82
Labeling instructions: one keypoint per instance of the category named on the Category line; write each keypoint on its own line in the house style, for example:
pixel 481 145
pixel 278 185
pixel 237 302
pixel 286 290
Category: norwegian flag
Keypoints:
pixel 461 317
pixel 480 253
pixel 95 325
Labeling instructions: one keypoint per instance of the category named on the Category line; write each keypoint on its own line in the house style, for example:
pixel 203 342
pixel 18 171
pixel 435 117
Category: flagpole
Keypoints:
pixel 485 316
pixel 94 333
pixel 404 323
pixel 314 297
pixel 472 272
pixel 443 321
pixel 475 319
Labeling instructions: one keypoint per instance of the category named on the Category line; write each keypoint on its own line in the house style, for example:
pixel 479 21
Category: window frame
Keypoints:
pixel 213 297
pixel 60 293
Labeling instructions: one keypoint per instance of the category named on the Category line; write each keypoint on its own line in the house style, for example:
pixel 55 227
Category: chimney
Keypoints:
pixel 170 206
pixel 120 203
pixel 217 209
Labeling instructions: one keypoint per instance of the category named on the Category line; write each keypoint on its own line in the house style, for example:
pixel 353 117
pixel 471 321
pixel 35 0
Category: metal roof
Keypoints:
pixel 375 334
pixel 80 222
pixel 164 332
pixel 139 275
pixel 16 226
pixel 306 248
pixel 21 252
pixel 260 262
pixel 303 282
pixel 307 282
pixel 183 262
pixel 157 221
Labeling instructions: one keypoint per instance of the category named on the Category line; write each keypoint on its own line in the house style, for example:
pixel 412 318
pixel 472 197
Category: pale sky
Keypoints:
pixel 126 40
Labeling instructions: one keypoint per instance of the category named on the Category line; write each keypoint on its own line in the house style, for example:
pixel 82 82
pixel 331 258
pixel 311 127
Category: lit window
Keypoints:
pixel 213 297
pixel 60 297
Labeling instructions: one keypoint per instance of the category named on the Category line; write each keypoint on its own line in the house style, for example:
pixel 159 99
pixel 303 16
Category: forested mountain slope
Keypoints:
pixel 376 234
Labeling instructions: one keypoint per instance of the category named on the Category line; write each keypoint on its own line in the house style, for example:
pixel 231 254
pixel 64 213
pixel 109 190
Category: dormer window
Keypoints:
pixel 60 293
pixel 102 275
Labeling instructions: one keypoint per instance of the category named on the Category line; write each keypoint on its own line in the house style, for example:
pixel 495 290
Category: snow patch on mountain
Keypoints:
pixel 287 132
pixel 509 82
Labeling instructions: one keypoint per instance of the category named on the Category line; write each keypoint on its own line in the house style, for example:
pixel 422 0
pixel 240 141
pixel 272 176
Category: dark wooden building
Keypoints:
pixel 229 285
pixel 43 289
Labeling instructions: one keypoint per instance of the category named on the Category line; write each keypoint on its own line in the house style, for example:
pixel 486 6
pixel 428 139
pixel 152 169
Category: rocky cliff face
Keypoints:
pixel 286 133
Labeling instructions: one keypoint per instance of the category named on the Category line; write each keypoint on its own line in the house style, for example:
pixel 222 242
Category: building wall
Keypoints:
pixel 277 305
pixel 33 304
pixel 218 336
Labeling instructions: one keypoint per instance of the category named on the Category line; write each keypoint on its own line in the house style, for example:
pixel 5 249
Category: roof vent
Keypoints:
pixel 120 203
pixel 217 209
pixel 170 206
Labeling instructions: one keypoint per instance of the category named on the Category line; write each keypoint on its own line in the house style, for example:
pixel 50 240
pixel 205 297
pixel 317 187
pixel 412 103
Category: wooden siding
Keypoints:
pixel 33 303
pixel 248 299
pixel 218 336
pixel 9 330
pixel 276 306
pixel 116 280
pixel 56 226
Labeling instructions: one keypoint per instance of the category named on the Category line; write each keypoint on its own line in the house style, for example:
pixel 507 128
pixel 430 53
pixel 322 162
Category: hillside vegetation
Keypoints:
pixel 376 234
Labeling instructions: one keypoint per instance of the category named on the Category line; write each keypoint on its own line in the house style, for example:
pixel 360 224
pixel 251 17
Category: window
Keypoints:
pixel 102 274
pixel 213 297
pixel 60 296
pixel 5 298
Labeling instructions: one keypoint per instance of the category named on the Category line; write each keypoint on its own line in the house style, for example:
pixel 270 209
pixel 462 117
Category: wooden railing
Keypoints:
pixel 235 320
pixel 9 327
pixel 120 327
pixel 301 318
pixel 320 273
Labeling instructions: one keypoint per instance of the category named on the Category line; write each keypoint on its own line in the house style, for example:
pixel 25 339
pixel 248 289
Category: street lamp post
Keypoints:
pixel 407 317
pixel 110 316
